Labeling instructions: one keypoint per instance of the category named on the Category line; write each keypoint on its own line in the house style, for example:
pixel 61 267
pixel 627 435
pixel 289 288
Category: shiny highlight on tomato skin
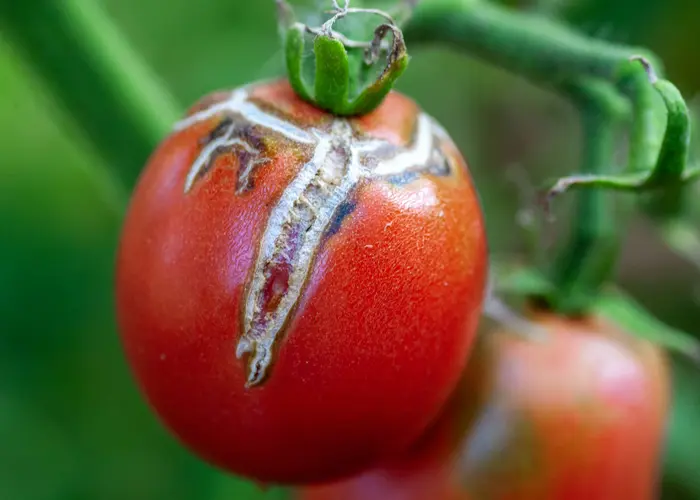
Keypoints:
pixel 579 415
pixel 385 318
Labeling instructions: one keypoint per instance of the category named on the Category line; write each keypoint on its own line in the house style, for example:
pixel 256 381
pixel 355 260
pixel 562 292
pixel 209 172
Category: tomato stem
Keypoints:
pixel 94 75
pixel 585 262
pixel 526 44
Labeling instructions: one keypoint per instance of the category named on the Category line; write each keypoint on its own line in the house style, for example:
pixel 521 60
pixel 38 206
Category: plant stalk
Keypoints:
pixel 588 258
pixel 95 76
pixel 526 44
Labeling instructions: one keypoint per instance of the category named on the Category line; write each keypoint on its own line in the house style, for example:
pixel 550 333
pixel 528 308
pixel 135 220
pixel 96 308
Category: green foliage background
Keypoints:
pixel 72 425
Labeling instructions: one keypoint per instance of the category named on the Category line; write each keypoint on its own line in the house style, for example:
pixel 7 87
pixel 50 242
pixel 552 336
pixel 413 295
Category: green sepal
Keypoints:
pixel 341 83
pixel 673 157
pixel 341 78
pixel 374 94
pixel 610 303
pixel 294 52
pixel 332 82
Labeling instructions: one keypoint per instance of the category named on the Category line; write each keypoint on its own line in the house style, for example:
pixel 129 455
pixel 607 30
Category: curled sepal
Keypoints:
pixel 344 76
pixel 332 82
pixel 671 169
pixel 396 63
pixel 294 51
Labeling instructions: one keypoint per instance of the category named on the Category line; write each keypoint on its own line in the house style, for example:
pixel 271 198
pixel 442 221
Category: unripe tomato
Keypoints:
pixel 298 293
pixel 579 415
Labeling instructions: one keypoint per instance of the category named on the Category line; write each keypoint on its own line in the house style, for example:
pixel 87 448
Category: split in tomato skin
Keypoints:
pixel 297 294
pixel 578 415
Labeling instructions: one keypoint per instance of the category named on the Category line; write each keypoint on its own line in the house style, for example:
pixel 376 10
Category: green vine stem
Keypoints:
pixel 668 174
pixel 96 77
pixel 663 180
pixel 583 265
pixel 526 44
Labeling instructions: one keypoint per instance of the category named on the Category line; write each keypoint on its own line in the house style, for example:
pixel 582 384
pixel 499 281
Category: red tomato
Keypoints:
pixel 427 471
pixel 579 415
pixel 298 293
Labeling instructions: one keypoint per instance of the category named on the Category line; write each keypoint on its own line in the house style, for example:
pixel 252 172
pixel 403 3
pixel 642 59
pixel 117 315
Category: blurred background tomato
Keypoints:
pixel 72 425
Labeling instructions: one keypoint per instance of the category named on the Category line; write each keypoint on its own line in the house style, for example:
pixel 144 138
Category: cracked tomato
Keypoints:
pixel 298 293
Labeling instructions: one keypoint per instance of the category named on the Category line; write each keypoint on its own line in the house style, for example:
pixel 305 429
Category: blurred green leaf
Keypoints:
pixel 682 481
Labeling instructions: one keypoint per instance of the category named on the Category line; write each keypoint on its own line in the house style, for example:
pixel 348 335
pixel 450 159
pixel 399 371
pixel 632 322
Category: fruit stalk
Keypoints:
pixel 588 257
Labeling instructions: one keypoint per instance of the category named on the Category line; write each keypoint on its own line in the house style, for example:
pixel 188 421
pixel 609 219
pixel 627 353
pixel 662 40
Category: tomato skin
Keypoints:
pixel 579 415
pixel 383 324
pixel 426 471
pixel 583 412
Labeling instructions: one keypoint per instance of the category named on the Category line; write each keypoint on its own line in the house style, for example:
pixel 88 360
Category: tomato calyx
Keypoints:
pixel 346 76
pixel 529 285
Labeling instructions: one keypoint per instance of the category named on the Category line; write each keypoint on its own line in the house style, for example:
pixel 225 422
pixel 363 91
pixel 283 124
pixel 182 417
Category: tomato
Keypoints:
pixel 581 413
pixel 298 293
pixel 578 415
pixel 426 471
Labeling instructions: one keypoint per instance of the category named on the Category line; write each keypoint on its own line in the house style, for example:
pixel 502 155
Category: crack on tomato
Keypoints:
pixel 294 232
pixel 220 130
pixel 403 179
pixel 401 166
pixel 312 206
pixel 235 138
pixel 341 213
pixel 440 166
